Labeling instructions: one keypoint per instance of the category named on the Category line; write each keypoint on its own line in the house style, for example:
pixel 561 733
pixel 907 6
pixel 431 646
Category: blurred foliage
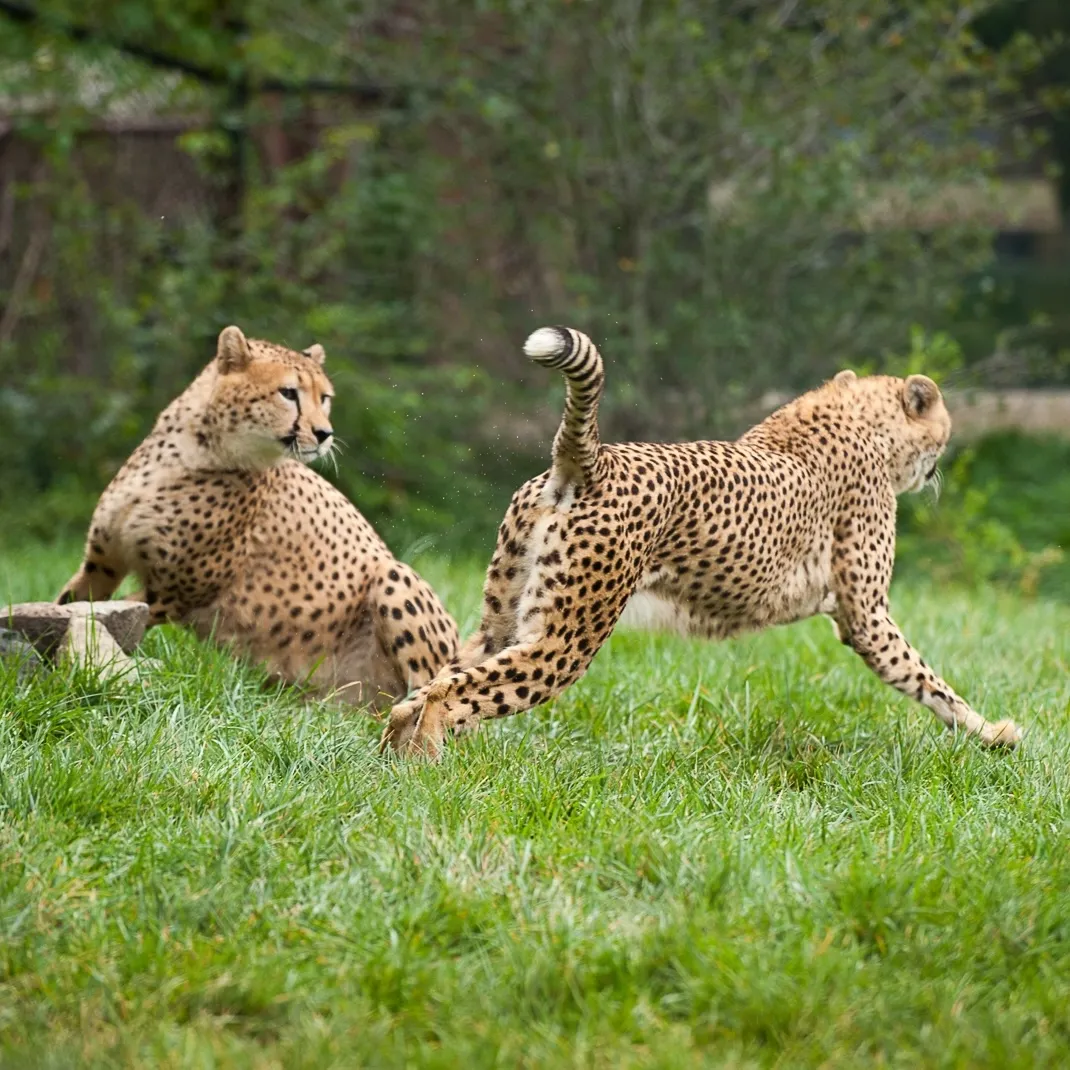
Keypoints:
pixel 699 182
pixel 1002 517
pixel 693 182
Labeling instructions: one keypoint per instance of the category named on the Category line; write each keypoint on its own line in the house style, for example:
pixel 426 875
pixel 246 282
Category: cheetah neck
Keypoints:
pixel 188 435
pixel 821 435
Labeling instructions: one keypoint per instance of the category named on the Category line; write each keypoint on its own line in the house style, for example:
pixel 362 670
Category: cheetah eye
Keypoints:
pixel 288 392
pixel 326 400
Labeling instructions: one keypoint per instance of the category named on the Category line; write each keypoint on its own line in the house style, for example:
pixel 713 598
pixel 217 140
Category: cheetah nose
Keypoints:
pixel 322 434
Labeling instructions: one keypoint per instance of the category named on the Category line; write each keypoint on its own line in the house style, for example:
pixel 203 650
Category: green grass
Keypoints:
pixel 749 853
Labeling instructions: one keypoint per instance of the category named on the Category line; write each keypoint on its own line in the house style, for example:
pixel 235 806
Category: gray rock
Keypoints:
pixel 46 624
pixel 13 647
pixel 89 644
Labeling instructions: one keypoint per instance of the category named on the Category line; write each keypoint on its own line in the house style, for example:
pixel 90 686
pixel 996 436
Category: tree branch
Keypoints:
pixel 20 288
pixel 362 93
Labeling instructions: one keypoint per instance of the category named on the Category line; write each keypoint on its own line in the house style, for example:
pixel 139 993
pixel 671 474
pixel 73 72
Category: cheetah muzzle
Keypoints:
pixel 795 518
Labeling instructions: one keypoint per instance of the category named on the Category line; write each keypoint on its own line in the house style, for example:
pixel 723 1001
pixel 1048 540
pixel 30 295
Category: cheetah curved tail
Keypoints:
pixel 576 444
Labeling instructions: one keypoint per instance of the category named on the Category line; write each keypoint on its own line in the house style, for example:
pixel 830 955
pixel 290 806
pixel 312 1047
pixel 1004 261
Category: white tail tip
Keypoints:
pixel 545 342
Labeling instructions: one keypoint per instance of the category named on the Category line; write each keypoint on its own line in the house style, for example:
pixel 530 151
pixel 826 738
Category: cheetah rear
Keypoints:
pixel 795 518
pixel 231 534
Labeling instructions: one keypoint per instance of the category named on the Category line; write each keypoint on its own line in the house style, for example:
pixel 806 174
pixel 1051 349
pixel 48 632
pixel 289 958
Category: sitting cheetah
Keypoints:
pixel 795 518
pixel 230 534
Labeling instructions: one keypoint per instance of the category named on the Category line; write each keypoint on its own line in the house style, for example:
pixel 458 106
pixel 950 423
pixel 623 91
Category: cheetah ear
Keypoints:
pixel 920 394
pixel 316 352
pixel 846 376
pixel 232 352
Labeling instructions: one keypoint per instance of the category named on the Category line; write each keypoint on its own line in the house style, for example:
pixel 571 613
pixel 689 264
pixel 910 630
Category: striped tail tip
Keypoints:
pixel 549 345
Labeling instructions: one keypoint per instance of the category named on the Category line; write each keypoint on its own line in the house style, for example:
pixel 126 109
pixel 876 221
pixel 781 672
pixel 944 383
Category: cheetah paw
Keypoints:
pixel 1004 734
pixel 415 729
pixel 400 727
pixel 465 726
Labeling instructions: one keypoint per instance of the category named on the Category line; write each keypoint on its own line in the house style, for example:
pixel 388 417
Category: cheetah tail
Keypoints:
pixel 576 444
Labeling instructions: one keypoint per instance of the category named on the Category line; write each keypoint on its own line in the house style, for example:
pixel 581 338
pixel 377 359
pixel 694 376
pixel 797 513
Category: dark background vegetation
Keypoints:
pixel 734 197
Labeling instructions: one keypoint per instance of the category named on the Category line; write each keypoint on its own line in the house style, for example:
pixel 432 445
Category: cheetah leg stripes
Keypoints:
pixel 864 623
pixel 494 677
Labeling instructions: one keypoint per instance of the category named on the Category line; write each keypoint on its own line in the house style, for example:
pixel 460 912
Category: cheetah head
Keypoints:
pixel 916 424
pixel 908 416
pixel 269 402
pixel 925 430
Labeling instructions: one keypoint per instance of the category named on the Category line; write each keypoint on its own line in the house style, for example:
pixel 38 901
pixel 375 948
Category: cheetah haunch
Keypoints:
pixel 231 535
pixel 794 519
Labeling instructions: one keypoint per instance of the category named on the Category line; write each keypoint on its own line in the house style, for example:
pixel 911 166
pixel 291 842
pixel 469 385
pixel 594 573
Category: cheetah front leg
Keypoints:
pixel 863 621
pixel 886 651
pixel 101 572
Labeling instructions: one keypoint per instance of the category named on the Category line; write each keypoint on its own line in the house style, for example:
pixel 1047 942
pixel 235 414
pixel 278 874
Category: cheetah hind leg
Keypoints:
pixel 412 627
pixel 407 717
pixel 512 681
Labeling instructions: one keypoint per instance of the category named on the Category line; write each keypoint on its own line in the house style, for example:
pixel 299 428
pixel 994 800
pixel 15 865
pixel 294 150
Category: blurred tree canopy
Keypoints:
pixel 724 193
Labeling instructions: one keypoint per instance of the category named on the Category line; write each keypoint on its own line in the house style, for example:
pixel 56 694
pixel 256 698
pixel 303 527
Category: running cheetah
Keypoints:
pixel 795 518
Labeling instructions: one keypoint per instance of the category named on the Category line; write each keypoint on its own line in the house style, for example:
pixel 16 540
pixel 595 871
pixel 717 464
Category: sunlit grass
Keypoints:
pixel 749 853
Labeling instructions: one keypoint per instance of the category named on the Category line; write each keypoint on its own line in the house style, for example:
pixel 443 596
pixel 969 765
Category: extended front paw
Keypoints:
pixel 417 727
pixel 1004 734
pixel 400 726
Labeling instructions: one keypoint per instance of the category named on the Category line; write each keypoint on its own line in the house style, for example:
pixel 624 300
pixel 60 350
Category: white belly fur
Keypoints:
pixel 648 612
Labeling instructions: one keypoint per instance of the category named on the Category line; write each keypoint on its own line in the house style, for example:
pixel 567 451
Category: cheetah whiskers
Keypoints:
pixel 331 457
pixel 333 450
pixel 935 484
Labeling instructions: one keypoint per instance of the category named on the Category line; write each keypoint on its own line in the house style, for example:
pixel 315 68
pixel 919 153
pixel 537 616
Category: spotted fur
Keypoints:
pixel 231 534
pixel 795 518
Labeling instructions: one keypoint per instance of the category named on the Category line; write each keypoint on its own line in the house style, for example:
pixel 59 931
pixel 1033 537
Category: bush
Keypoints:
pixel 1001 518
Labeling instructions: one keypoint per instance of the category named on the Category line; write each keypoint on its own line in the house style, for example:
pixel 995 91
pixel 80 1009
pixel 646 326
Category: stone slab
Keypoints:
pixel 89 644
pixel 46 624
pixel 15 648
